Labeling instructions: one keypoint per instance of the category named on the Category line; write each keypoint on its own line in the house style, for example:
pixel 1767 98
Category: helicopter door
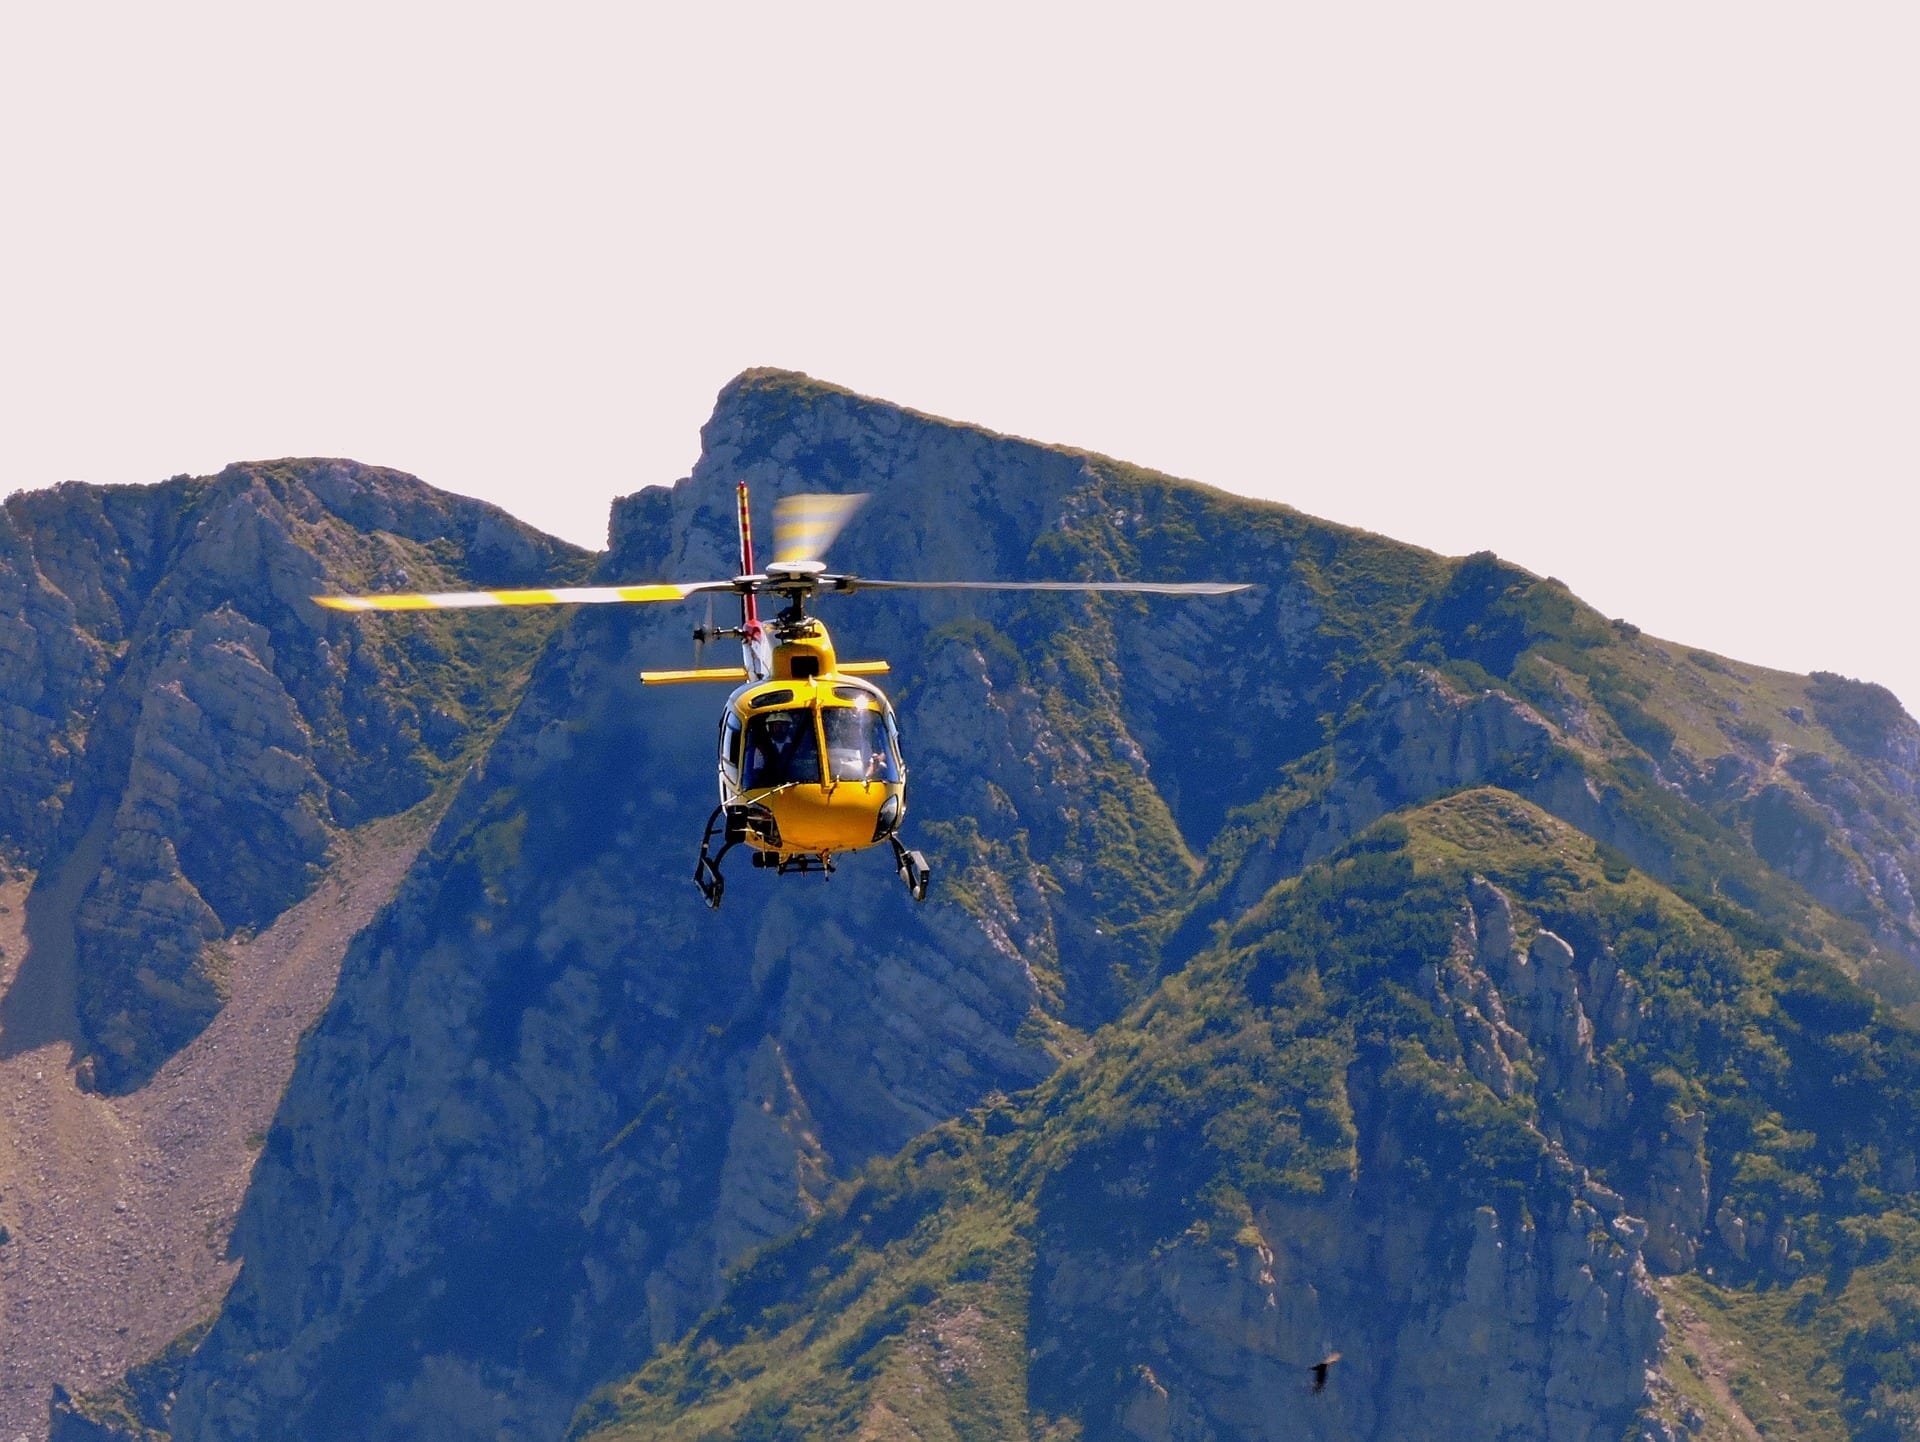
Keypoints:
pixel 893 739
pixel 730 746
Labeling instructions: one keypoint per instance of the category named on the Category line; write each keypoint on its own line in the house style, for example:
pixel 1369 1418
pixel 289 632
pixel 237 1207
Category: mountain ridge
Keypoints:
pixel 188 786
pixel 165 661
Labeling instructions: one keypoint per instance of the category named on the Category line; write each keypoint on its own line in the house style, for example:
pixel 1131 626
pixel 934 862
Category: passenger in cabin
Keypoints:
pixel 857 744
pixel 782 750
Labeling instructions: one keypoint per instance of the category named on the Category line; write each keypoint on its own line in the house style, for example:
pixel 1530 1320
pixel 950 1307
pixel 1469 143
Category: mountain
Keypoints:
pixel 1400 959
pixel 207 785
pixel 178 726
pixel 1437 1104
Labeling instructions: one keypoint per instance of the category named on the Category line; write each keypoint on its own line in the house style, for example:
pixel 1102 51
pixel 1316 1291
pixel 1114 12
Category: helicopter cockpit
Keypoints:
pixel 850 725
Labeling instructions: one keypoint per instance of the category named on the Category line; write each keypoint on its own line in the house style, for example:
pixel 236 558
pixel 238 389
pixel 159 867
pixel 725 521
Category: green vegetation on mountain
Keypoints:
pixel 1401 959
pixel 1310 1061
pixel 185 732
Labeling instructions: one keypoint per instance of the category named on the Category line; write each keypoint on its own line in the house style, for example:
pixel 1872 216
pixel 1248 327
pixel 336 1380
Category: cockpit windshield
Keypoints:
pixel 782 749
pixel 857 746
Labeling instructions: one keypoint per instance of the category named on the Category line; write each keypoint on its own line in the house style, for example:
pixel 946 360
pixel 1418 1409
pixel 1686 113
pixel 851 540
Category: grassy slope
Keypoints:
pixel 1235 1070
pixel 1834 1354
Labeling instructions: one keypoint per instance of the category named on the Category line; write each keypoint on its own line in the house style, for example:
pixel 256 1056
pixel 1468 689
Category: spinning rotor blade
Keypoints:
pixel 1153 588
pixel 804 526
pixel 560 596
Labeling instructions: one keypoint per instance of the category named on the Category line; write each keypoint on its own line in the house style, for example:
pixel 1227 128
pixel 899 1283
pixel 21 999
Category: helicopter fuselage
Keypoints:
pixel 809 759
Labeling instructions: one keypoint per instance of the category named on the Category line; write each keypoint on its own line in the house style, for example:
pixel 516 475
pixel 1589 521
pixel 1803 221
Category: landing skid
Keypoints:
pixel 706 867
pixel 913 869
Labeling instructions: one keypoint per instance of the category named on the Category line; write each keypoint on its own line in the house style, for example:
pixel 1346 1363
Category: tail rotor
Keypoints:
pixel 704 633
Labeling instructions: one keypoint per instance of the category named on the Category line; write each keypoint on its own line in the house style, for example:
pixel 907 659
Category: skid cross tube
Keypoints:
pixel 805 861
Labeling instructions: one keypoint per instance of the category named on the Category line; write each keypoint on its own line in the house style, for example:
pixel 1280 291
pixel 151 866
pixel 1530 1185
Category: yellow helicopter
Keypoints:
pixel 810 764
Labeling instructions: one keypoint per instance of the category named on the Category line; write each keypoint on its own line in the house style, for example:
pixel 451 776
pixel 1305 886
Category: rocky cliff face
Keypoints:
pixel 556 1106
pixel 47 668
pixel 1539 1328
pixel 175 710
pixel 1393 1115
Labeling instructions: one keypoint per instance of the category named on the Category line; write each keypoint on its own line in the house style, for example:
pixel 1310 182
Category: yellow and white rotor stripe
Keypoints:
pixel 560 596
pixel 804 526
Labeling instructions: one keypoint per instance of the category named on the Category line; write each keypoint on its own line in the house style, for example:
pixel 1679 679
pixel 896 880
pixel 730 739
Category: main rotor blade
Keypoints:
pixel 560 596
pixel 1152 588
pixel 804 526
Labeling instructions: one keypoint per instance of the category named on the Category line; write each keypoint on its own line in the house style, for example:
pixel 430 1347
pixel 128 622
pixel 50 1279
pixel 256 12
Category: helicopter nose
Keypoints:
pixel 843 818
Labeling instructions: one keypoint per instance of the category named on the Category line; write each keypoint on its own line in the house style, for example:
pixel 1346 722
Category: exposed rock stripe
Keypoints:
pixel 119 1208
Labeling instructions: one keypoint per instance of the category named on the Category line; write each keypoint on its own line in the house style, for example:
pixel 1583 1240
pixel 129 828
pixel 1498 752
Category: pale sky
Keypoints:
pixel 1626 293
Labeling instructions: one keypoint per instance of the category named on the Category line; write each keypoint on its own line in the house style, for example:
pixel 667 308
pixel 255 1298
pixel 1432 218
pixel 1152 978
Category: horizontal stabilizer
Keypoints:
pixel 711 673
pixel 863 668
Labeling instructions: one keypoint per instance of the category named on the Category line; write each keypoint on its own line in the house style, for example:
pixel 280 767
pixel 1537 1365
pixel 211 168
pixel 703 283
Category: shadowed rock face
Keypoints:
pixel 1529 1327
pixel 51 670
pixel 555 1100
pixel 1392 1114
pixel 1455 1313
pixel 166 682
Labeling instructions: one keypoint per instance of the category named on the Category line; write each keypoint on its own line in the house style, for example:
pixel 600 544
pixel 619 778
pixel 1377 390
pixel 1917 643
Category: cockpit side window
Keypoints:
pixel 858 747
pixel 782 748
pixel 730 739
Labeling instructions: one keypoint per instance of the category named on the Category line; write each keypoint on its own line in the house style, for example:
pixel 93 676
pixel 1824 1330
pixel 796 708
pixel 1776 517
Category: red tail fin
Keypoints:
pixel 749 604
pixel 756 650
